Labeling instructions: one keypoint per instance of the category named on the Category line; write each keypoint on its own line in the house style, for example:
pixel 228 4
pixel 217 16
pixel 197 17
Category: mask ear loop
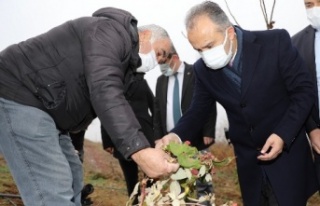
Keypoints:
pixel 231 42
pixel 230 50
pixel 225 37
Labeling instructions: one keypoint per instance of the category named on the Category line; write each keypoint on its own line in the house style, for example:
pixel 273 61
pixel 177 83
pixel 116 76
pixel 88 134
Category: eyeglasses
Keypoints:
pixel 163 56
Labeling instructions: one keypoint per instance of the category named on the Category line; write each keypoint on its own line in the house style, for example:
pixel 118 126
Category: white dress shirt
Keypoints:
pixel 170 122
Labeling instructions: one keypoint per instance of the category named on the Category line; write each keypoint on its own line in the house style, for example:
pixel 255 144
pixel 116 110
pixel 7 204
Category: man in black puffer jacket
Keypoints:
pixel 57 83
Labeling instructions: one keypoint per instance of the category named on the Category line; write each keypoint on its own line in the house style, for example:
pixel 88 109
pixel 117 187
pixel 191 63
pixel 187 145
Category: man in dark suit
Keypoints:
pixel 173 69
pixel 267 91
pixel 309 47
pixel 163 121
pixel 140 98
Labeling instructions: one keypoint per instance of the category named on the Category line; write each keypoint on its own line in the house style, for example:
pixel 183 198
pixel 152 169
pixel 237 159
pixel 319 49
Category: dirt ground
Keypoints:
pixel 104 173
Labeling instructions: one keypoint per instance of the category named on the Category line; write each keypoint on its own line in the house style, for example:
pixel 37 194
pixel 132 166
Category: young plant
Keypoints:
pixel 180 187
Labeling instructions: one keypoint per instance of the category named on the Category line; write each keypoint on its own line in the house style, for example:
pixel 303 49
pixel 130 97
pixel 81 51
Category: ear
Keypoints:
pixel 146 35
pixel 232 33
pixel 175 61
pixel 175 57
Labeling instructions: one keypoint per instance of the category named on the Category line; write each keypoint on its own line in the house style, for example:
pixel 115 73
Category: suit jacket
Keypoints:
pixel 160 115
pixel 141 99
pixel 304 42
pixel 276 97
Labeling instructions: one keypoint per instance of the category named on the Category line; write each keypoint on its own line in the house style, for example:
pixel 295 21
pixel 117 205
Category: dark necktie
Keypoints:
pixel 176 100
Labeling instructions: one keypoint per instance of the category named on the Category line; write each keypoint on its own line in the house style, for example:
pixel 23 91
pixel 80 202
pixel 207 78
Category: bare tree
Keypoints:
pixel 269 22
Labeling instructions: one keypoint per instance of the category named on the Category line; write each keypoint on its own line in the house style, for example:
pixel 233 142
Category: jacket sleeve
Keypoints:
pixel 313 121
pixel 157 120
pixel 303 41
pixel 300 88
pixel 157 123
pixel 191 123
pixel 150 97
pixel 107 52
pixel 106 140
pixel 209 129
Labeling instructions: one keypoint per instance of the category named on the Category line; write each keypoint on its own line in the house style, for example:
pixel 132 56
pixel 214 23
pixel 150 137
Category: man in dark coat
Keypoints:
pixel 140 98
pixel 262 82
pixel 172 67
pixel 309 48
pixel 57 83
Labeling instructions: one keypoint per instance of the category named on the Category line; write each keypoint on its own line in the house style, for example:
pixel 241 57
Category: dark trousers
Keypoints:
pixel 317 165
pixel 78 143
pixel 130 172
pixel 267 196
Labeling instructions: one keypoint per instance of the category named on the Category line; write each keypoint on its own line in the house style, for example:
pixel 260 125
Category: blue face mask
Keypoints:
pixel 166 70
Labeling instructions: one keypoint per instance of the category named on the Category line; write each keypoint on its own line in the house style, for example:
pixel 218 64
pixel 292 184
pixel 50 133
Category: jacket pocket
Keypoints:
pixel 52 94
pixel 48 86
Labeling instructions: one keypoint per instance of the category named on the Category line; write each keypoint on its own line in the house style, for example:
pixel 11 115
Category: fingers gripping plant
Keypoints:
pixel 180 188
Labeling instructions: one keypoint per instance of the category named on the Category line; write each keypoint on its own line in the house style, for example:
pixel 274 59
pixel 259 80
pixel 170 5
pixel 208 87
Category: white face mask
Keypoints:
pixel 313 15
pixel 148 61
pixel 216 57
pixel 166 70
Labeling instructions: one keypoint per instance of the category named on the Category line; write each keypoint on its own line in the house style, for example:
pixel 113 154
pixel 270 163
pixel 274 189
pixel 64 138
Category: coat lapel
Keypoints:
pixel 187 80
pixel 249 61
pixel 308 46
pixel 164 90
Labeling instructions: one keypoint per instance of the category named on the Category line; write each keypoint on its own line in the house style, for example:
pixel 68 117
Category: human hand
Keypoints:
pixel 208 140
pixel 314 136
pixel 171 137
pixel 272 148
pixel 155 163
pixel 109 150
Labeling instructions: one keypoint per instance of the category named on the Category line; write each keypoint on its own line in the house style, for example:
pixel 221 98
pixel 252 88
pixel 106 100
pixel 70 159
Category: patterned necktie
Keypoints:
pixel 176 100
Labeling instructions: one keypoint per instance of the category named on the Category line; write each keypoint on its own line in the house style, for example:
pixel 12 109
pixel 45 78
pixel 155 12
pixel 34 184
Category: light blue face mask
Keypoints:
pixel 166 70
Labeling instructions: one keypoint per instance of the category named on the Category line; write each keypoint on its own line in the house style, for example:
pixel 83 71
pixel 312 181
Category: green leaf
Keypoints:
pixel 189 162
pixel 177 149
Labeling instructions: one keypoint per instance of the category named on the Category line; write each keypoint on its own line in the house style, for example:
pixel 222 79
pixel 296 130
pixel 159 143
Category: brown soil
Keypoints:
pixel 103 171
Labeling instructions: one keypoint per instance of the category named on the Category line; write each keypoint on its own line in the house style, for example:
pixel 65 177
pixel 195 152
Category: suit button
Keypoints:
pixel 243 105
pixel 251 129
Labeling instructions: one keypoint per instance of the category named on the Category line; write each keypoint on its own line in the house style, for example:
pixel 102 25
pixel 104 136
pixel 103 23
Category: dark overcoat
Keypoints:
pixel 277 94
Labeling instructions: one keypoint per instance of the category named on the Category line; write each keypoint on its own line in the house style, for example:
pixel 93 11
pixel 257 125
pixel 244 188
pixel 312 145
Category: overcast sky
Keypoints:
pixel 22 19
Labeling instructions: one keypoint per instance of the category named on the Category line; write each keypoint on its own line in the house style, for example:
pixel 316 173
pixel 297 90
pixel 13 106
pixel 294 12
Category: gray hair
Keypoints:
pixel 212 10
pixel 157 32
